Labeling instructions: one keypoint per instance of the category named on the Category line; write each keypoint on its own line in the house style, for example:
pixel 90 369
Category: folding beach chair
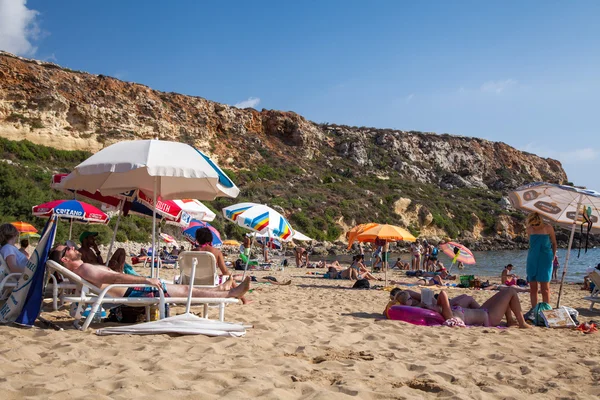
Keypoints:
pixel 87 293
pixel 595 296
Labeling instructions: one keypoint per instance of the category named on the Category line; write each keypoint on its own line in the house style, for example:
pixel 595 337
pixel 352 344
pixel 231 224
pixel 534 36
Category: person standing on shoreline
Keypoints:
pixel 541 254
pixel 416 249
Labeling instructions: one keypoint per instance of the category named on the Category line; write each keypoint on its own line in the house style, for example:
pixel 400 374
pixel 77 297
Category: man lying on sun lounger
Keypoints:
pixel 102 276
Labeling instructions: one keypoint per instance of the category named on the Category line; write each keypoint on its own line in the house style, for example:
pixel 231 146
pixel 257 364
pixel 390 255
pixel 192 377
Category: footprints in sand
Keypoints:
pixel 333 355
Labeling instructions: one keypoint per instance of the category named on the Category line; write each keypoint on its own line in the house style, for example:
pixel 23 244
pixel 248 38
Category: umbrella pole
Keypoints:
pixel 385 263
pixel 70 227
pixel 114 237
pixel 564 273
pixel 154 229
pixel 248 259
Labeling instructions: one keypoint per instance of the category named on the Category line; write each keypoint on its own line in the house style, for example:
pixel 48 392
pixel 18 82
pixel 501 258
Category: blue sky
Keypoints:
pixel 524 73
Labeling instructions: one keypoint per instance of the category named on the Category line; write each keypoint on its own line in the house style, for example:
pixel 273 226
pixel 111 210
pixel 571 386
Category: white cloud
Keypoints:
pixel 18 27
pixel 249 102
pixel 50 58
pixel 575 156
pixel 497 87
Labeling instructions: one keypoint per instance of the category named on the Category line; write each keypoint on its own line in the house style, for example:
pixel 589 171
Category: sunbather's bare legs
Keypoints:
pixel 464 301
pixel 496 306
pixel 502 303
pixel 369 276
pixel 183 291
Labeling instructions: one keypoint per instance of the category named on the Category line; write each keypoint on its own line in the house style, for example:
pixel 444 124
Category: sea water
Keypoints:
pixel 491 263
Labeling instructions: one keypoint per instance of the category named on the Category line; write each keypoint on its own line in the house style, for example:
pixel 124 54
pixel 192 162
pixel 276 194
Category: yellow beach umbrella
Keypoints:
pixel 231 243
pixel 358 229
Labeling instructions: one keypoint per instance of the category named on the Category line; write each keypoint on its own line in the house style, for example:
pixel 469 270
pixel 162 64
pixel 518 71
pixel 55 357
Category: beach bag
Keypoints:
pixel 521 282
pixel 238 266
pixel 535 315
pixel 361 284
pixel 127 315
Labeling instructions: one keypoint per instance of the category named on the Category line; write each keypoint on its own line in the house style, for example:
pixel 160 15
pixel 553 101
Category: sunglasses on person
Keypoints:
pixel 68 245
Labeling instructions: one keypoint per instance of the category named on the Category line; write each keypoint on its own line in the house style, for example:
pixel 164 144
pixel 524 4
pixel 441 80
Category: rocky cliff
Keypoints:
pixel 343 173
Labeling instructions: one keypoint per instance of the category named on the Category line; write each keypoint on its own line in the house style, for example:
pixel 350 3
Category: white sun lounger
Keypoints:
pixel 595 296
pixel 87 293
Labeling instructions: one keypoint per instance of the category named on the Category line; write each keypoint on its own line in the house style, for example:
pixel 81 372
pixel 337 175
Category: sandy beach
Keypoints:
pixel 314 339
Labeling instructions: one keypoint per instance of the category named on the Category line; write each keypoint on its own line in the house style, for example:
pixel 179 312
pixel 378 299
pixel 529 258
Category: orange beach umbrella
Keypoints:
pixel 24 227
pixel 389 233
pixel 358 229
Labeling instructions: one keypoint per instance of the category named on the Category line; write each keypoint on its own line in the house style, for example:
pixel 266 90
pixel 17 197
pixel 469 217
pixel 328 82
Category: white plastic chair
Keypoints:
pixel 205 276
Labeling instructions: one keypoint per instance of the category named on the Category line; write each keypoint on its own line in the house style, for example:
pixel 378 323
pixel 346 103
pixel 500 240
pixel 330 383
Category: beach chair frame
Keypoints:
pixel 89 294
pixel 594 297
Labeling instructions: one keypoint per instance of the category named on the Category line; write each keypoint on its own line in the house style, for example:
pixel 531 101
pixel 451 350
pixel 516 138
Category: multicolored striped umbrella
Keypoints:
pixel 259 218
pixel 190 232
pixel 71 209
pixel 24 227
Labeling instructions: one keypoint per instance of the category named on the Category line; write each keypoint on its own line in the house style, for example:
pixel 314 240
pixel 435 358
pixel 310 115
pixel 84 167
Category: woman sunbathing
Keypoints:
pixel 468 310
pixel 361 271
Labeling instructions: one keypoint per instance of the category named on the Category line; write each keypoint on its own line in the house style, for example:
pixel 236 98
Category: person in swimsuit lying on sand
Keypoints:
pixel 102 276
pixel 468 310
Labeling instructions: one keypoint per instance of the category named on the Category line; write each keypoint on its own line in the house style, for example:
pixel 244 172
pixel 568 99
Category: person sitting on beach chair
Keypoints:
pixel 204 238
pixel 468 310
pixel 101 276
pixel 91 254
pixel 15 260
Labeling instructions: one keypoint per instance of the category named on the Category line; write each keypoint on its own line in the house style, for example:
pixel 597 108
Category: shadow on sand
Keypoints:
pixel 375 316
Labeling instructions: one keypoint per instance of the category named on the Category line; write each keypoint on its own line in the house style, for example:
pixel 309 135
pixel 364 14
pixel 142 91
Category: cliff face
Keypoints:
pixel 50 105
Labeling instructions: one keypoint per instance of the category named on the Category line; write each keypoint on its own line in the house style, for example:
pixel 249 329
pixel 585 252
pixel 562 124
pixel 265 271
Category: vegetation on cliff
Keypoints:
pixel 315 197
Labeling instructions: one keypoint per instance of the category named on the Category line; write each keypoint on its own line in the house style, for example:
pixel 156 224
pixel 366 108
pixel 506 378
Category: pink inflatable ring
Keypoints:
pixel 415 315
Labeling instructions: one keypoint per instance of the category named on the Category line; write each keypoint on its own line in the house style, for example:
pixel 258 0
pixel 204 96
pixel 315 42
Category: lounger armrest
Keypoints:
pixel 13 275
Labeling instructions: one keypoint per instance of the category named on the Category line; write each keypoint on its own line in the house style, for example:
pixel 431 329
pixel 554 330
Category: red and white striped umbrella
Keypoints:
pixel 138 202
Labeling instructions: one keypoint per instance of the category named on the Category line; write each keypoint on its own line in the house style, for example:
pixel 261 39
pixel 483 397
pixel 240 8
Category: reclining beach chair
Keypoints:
pixel 8 281
pixel 595 296
pixel 89 294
